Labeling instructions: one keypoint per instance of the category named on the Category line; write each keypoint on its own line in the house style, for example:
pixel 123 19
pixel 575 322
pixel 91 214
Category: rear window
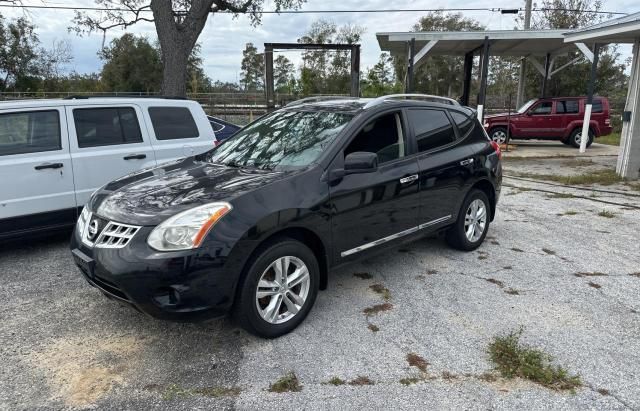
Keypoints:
pixel 172 123
pixel 96 127
pixel 597 106
pixel 29 132
pixel 432 128
pixel 567 107
pixel 464 123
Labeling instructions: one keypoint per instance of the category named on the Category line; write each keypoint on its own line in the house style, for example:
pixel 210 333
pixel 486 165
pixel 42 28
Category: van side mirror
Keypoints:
pixel 360 162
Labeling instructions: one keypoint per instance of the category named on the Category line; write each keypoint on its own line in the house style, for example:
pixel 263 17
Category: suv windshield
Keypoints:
pixel 526 106
pixel 281 141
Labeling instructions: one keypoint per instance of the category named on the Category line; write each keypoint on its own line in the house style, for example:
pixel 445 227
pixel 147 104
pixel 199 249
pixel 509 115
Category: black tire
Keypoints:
pixel 246 310
pixel 574 136
pixel 498 134
pixel 456 236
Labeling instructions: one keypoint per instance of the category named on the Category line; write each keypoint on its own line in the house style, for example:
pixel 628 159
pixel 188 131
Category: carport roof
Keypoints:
pixel 621 30
pixel 503 42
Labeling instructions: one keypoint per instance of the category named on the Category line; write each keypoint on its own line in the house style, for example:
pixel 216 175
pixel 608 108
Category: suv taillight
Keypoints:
pixel 607 121
pixel 496 147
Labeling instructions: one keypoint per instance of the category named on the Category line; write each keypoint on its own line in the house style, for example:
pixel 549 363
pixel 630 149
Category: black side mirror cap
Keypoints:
pixel 360 162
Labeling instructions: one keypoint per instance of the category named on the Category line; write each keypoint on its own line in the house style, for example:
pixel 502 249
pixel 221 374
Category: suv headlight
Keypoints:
pixel 187 229
pixel 82 221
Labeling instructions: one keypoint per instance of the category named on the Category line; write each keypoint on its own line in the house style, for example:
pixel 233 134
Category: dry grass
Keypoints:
pixel 417 361
pixel 381 290
pixel 410 380
pixel 590 274
pixel 494 281
pixel 374 328
pixel 336 381
pixel 606 214
pixel 594 285
pixel 287 383
pixel 361 380
pixel 605 176
pixel 378 308
pixel 513 359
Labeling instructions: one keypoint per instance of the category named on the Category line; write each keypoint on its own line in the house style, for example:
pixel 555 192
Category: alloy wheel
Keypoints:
pixel 282 289
pixel 475 220
pixel 499 136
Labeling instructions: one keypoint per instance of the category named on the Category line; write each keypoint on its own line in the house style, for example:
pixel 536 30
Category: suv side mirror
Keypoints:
pixel 360 162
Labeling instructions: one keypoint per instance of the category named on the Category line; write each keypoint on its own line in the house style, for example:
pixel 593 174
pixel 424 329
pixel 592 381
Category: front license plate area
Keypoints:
pixel 83 261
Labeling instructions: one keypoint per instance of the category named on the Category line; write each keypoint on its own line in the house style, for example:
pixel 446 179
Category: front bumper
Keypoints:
pixel 179 286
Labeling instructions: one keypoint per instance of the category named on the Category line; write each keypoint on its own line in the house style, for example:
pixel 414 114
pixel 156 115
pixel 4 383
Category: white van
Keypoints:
pixel 55 153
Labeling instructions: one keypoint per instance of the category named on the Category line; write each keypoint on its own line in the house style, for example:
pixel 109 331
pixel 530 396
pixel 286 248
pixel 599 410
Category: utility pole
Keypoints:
pixel 523 62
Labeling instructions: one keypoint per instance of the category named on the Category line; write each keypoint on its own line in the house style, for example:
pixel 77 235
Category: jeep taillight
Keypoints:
pixel 496 147
pixel 607 121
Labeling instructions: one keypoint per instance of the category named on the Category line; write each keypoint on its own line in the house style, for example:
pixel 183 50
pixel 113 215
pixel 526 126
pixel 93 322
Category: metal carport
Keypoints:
pixel 531 44
pixel 621 30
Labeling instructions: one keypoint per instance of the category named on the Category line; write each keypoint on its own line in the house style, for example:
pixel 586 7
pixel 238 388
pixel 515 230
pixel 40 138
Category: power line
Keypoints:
pixel 494 9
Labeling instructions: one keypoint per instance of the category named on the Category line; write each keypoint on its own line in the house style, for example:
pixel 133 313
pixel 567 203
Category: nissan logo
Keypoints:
pixel 92 230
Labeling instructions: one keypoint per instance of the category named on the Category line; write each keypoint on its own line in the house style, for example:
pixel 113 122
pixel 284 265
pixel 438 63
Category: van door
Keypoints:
pixel 36 174
pixel 178 134
pixel 106 143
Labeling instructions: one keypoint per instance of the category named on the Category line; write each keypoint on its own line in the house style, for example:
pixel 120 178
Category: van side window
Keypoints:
pixel 464 123
pixel 171 123
pixel 432 128
pixel 29 132
pixel 97 127
pixel 382 136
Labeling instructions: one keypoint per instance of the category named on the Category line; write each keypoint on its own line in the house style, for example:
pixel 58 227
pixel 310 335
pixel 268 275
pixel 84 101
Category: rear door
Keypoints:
pixel 378 208
pixel 107 142
pixel 36 175
pixel 445 163
pixel 570 111
pixel 179 131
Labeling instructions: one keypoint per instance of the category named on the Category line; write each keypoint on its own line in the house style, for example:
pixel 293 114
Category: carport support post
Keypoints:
pixel 484 73
pixel 466 85
pixel 589 104
pixel 543 86
pixel 408 84
pixel 268 77
pixel 629 158
pixel 355 70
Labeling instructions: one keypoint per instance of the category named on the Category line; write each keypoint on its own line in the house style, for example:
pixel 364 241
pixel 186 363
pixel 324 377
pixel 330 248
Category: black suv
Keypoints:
pixel 257 223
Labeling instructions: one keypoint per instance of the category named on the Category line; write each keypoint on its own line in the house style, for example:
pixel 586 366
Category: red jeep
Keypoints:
pixel 557 118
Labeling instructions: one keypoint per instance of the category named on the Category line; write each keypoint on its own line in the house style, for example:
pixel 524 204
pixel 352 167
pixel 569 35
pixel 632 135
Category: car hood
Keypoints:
pixel 501 116
pixel 150 196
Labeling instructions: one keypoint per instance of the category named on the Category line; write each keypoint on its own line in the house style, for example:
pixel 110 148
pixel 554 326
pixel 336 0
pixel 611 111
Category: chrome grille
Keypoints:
pixel 116 235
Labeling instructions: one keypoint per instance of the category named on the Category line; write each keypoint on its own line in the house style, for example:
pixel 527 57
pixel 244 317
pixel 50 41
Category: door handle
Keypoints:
pixel 408 179
pixel 48 165
pixel 466 162
pixel 135 157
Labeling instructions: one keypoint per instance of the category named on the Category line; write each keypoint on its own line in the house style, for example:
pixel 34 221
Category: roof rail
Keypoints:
pixel 317 98
pixel 425 97
pixel 84 96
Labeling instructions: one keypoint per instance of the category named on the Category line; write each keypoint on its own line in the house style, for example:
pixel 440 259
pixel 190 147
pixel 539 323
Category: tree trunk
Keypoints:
pixel 177 39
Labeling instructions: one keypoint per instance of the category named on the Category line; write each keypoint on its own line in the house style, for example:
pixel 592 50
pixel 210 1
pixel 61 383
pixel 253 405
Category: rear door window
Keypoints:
pixel 464 123
pixel 29 132
pixel 172 123
pixel 597 106
pixel 567 107
pixel 96 127
pixel 432 128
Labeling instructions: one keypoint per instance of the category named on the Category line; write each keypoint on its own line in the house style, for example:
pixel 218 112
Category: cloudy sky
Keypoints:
pixel 224 37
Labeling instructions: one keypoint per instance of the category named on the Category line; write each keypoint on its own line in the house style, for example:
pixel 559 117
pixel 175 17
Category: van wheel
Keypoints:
pixel 279 289
pixel 576 136
pixel 473 221
pixel 499 135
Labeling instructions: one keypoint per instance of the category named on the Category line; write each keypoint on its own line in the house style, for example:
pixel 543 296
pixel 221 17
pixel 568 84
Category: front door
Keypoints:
pixel 106 143
pixel 379 208
pixel 36 177
pixel 538 121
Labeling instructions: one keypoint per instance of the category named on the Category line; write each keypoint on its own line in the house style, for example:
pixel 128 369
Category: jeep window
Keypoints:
pixel 542 108
pixel 282 140
pixel 97 127
pixel 432 128
pixel 597 106
pixel 29 132
pixel 464 123
pixel 382 136
pixel 567 107
pixel 171 123
pixel 526 106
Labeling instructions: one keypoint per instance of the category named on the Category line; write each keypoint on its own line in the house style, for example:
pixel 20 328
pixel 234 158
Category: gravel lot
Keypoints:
pixel 66 346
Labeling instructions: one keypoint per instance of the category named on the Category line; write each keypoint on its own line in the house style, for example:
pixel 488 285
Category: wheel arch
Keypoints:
pixel 487 187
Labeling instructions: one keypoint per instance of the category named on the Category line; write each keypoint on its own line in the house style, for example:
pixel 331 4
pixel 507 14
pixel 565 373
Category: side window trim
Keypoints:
pixel 72 120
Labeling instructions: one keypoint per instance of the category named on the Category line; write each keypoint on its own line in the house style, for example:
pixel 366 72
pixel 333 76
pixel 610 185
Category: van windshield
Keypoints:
pixel 282 140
